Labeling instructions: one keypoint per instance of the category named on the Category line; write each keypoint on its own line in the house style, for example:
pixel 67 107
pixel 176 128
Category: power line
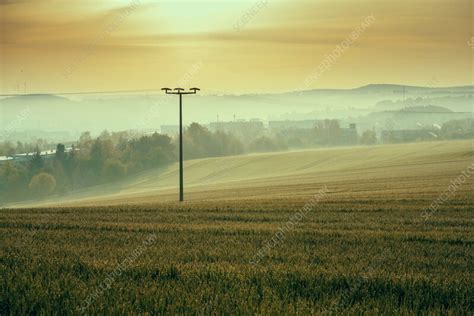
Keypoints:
pixel 104 92
pixel 82 92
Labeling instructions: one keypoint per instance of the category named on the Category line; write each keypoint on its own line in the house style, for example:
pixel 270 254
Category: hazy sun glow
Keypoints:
pixel 244 46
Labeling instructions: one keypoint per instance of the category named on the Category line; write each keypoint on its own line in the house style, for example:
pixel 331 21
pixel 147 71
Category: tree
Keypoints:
pixel 198 142
pixel 7 149
pixel 104 135
pixel 263 144
pixel 69 164
pixel 328 132
pixel 43 184
pixel 13 180
pixel 60 153
pixel 114 170
pixel 101 150
pixel 368 138
pixel 147 152
pixel 457 129
pixel 85 141
pixel 36 163
pixel 227 144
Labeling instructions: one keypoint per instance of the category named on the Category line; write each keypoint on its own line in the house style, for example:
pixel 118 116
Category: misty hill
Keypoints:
pixel 426 109
pixel 37 98
pixel 387 88
pixel 147 112
pixel 411 117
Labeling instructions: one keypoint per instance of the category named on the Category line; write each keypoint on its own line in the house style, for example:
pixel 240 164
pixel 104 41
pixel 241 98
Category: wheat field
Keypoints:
pixel 364 246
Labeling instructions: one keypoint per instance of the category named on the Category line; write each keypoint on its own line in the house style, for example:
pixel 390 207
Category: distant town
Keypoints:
pixel 293 133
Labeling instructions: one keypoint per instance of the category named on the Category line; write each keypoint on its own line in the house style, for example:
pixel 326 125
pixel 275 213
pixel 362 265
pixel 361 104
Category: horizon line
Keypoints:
pixel 225 93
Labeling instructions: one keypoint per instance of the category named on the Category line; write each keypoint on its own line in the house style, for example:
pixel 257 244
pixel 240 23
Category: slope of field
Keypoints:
pixel 426 167
pixel 361 248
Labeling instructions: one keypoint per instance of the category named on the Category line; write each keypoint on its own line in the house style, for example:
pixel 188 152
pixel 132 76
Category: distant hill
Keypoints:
pixel 426 109
pixel 411 117
pixel 453 102
pixel 415 90
pixel 42 97
pixel 78 113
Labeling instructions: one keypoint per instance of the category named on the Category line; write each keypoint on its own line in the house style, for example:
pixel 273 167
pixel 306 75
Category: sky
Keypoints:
pixel 233 46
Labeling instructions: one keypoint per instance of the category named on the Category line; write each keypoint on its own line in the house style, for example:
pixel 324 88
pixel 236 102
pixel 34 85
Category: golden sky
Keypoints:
pixel 238 46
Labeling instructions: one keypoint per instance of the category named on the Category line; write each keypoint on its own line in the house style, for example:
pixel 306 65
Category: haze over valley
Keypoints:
pixel 236 157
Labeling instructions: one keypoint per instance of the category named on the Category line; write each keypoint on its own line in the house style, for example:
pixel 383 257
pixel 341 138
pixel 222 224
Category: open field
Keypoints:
pixel 363 247
pixel 390 171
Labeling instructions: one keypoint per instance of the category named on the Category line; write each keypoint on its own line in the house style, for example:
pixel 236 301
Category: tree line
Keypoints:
pixel 104 159
pixel 113 156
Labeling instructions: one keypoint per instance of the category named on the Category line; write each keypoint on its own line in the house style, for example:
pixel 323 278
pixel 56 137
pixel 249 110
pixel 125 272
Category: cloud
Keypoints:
pixel 282 41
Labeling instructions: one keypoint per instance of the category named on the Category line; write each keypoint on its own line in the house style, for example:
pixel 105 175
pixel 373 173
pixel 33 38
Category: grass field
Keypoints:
pixel 363 247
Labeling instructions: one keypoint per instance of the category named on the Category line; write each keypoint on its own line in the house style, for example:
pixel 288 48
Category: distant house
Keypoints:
pixel 241 128
pixel 27 156
pixel 5 159
pixel 277 126
pixel 349 136
pixel 403 136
